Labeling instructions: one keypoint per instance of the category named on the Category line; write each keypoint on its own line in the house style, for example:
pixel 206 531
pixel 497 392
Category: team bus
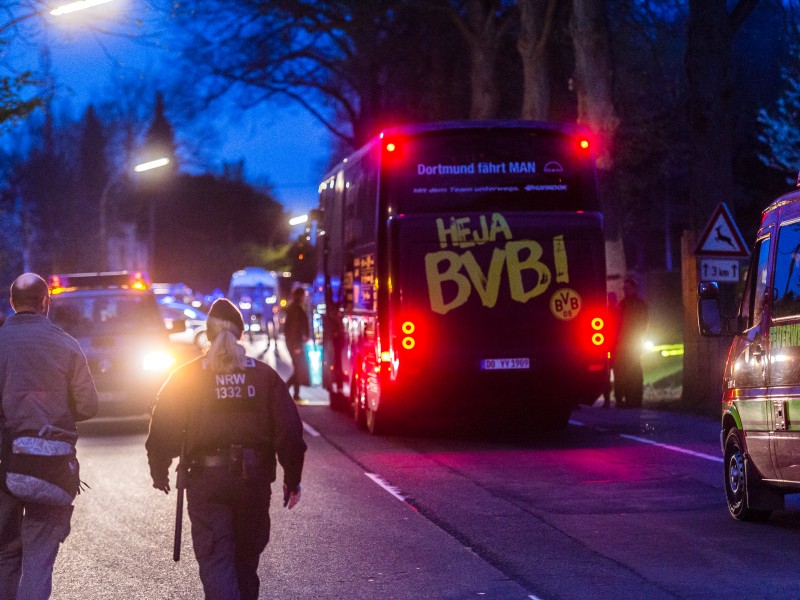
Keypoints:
pixel 462 272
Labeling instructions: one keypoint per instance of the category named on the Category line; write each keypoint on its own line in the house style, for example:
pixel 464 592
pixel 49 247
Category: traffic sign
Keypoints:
pixel 721 237
pixel 720 269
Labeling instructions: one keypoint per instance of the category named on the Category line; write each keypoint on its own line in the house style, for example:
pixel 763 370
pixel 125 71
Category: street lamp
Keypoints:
pixel 146 166
pixel 151 164
pixel 72 7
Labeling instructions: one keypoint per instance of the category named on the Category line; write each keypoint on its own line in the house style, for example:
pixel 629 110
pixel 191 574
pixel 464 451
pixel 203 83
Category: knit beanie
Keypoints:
pixel 224 310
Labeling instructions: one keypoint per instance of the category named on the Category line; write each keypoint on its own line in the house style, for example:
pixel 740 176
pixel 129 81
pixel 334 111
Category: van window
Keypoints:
pixel 753 297
pixel 786 287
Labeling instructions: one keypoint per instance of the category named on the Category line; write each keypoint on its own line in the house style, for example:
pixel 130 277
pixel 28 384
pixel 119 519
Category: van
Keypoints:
pixel 760 434
pixel 255 291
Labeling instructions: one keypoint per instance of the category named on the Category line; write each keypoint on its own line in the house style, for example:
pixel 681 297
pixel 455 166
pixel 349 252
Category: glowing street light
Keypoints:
pixel 151 164
pixel 146 166
pixel 72 7
pixel 298 220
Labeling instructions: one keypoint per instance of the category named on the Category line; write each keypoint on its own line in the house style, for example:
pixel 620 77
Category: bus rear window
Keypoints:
pixel 520 170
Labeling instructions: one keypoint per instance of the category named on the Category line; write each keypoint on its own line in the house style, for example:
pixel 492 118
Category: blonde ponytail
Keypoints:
pixel 224 355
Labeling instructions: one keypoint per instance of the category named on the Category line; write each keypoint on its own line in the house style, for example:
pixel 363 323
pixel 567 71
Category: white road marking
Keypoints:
pixel 673 448
pixel 310 430
pixel 394 491
pixel 659 444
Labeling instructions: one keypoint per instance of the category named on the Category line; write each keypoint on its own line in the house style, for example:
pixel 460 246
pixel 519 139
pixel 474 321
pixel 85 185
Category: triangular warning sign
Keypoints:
pixel 721 237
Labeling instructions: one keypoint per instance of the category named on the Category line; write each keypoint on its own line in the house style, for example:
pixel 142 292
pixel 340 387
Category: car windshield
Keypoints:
pixel 105 314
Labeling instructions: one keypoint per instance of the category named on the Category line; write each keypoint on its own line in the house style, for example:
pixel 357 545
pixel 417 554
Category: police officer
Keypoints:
pixel 235 415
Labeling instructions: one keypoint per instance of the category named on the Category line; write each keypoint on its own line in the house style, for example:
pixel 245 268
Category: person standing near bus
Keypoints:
pixel 613 322
pixel 633 320
pixel 296 333
pixel 234 416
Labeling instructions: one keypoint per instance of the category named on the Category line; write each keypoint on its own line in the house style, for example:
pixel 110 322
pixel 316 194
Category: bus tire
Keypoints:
pixel 359 399
pixel 338 402
pixel 376 422
pixel 379 421
pixel 555 418
pixel 736 481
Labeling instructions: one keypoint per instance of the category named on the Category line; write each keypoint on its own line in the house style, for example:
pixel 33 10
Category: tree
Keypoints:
pixel 536 25
pixel 18 94
pixel 780 124
pixel 484 25
pixel 356 66
pixel 593 75
pixel 710 76
pixel 208 227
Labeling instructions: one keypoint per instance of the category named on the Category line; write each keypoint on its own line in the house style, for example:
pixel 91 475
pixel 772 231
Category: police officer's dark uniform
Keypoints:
pixel 235 425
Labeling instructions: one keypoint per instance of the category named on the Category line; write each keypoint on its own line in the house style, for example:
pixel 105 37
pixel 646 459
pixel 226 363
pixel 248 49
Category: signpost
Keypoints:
pixel 716 256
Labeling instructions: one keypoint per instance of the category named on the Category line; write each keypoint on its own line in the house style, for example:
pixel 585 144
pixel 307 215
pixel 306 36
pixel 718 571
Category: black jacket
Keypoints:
pixel 250 407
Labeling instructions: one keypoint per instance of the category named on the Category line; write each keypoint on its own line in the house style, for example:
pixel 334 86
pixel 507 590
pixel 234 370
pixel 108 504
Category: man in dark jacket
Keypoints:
pixel 628 376
pixel 235 415
pixel 296 332
pixel 44 380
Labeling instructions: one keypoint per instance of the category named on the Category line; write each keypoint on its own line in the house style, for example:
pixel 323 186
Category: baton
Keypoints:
pixel 180 485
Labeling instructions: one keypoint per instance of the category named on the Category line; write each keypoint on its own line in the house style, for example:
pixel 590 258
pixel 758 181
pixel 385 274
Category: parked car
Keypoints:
pixel 115 318
pixel 195 319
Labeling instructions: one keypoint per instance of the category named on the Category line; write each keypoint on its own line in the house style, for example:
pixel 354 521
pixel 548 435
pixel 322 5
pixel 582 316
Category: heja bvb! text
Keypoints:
pixel 461 269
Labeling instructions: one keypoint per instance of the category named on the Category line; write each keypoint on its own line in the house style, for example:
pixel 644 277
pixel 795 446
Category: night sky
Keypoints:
pixel 279 144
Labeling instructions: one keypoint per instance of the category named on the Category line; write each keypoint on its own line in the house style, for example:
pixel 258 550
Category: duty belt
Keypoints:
pixel 236 458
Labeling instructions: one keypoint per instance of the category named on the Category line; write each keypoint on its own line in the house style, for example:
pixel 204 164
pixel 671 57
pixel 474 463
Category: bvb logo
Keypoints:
pixel 565 304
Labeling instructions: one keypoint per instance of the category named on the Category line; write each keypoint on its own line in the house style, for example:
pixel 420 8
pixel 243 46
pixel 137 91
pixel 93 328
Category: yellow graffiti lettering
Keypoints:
pixel 499 225
pixel 487 286
pixel 483 236
pixel 451 231
pixel 560 255
pixel 516 266
pixel 437 278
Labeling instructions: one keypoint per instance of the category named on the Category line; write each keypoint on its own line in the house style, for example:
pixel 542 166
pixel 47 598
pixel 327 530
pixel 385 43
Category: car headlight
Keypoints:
pixel 158 361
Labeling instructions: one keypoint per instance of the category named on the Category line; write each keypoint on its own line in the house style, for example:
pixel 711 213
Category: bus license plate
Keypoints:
pixel 500 364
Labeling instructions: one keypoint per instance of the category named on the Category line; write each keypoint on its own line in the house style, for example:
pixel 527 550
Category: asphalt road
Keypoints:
pixel 624 504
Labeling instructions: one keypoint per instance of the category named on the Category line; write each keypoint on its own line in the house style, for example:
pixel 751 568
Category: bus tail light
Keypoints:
pixel 598 325
pixel 596 332
pixel 408 339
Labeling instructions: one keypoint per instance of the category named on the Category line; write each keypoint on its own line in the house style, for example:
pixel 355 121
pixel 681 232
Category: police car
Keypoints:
pixel 115 318
pixel 760 431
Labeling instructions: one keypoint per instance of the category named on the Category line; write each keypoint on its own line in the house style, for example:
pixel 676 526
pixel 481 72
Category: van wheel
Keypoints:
pixel 736 481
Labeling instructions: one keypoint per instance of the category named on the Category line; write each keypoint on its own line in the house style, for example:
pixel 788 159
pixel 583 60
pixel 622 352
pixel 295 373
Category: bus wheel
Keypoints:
pixel 381 420
pixel 359 398
pixel 338 402
pixel 375 422
pixel 555 418
pixel 736 481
